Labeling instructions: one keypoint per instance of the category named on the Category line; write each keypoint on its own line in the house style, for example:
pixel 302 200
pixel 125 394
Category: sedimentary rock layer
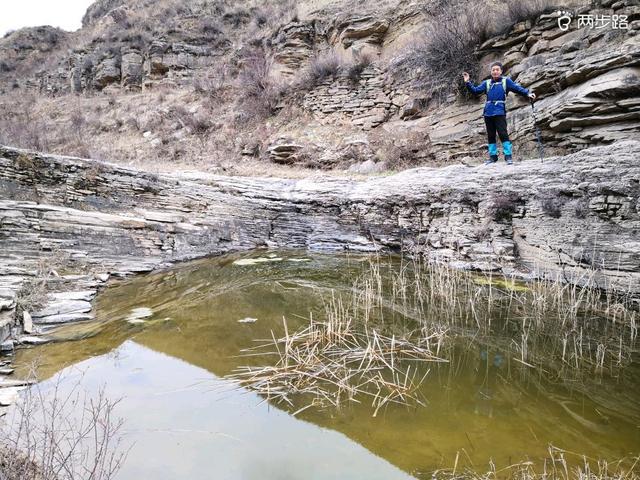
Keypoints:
pixel 575 216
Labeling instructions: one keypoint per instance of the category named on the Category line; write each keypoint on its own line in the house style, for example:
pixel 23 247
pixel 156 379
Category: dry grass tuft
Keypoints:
pixel 559 465
pixel 399 313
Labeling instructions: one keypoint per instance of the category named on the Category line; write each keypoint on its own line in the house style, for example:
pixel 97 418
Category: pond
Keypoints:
pixel 169 343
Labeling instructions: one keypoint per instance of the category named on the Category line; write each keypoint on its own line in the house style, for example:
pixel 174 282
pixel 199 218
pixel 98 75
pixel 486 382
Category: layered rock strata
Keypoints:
pixel 574 217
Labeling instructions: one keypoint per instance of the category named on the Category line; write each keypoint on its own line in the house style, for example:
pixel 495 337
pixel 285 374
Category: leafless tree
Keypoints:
pixel 57 433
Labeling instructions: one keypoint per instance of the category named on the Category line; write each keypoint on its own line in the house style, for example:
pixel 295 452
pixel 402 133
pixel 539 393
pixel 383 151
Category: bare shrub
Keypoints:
pixel 355 153
pixel 33 292
pixel 198 124
pixel 582 208
pixel 354 72
pixel 262 92
pixel 78 119
pixel 236 17
pixel 403 153
pixel 213 82
pixel 309 156
pixel 551 205
pixel 32 295
pixel 21 126
pixel 261 17
pixel 504 205
pixel 6 66
pixel 321 67
pixel 56 436
pixel 446 49
pixel 211 27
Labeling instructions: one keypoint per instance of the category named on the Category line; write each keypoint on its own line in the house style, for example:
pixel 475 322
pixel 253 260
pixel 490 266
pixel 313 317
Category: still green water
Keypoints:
pixel 186 421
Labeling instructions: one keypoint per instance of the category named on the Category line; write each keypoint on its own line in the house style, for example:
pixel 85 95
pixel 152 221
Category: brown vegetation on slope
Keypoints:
pixel 244 87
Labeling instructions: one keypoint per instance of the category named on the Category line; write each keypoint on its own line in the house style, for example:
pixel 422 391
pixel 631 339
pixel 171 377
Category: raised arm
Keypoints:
pixel 475 89
pixel 470 85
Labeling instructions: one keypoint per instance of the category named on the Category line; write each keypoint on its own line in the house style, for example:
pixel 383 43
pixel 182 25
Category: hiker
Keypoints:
pixel 495 112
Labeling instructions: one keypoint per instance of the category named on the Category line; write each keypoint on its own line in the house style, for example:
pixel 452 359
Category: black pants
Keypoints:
pixel 499 123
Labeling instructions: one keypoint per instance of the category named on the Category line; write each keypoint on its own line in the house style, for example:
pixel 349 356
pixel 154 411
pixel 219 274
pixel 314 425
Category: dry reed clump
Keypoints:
pixel 558 465
pixel 399 312
pixel 547 324
pixel 33 292
pixel 342 358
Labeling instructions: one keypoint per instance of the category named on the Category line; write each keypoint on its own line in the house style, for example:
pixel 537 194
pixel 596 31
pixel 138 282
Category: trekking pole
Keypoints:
pixel 538 137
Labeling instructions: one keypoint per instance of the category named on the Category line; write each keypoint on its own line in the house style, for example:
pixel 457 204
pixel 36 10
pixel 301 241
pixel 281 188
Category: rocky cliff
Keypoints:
pixel 220 82
pixel 587 79
pixel 574 217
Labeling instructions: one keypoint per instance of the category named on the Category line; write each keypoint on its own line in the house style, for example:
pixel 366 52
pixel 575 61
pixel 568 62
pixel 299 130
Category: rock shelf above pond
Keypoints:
pixel 573 217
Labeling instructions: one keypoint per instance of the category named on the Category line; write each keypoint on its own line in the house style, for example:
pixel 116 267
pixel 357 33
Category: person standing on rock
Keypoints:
pixel 495 112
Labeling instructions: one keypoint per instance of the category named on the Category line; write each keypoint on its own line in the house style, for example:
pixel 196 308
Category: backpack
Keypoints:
pixel 504 86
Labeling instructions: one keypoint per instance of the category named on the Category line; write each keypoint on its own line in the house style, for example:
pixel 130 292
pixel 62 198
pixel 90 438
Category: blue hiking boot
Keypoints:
pixel 492 159
pixel 506 146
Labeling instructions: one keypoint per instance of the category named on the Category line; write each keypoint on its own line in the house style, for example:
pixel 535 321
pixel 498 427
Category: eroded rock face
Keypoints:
pixel 22 49
pixel 293 46
pixel 366 101
pixel 575 216
pixel 107 72
pixel 587 81
pixel 369 29
pixel 174 57
pixel 131 69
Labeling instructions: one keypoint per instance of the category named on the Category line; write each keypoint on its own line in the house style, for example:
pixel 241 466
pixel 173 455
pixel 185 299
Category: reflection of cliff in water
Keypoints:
pixel 482 401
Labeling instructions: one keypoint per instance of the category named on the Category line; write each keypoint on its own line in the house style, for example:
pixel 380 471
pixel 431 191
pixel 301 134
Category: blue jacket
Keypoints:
pixel 496 94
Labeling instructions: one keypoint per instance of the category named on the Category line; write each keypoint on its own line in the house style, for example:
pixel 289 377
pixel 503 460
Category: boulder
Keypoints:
pixel 6 346
pixel 284 151
pixel 107 72
pixel 33 340
pixel 412 109
pixel 131 68
pixel 83 295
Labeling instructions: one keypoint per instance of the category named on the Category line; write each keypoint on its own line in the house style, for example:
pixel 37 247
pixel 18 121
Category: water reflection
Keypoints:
pixel 187 423
pixel 168 366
